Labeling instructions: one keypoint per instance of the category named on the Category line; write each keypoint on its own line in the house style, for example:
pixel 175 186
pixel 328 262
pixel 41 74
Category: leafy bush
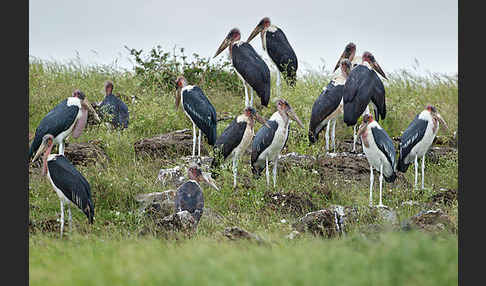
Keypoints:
pixel 159 69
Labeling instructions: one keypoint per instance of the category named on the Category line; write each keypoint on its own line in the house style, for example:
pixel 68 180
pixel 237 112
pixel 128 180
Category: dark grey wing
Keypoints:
pixel 231 137
pixel 378 96
pixel 72 184
pixel 263 139
pixel 253 69
pixel 59 119
pixel 282 54
pixel 189 197
pixel 356 94
pixel 385 144
pixel 411 136
pixel 201 111
pixel 123 114
pixel 327 102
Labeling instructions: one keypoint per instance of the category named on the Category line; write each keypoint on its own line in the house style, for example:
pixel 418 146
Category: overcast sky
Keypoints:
pixel 396 32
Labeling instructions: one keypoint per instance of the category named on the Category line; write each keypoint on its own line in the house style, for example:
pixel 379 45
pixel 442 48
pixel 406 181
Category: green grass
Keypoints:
pixel 109 252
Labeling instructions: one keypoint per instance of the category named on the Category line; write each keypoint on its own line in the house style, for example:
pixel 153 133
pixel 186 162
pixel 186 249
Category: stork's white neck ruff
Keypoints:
pixel 74 101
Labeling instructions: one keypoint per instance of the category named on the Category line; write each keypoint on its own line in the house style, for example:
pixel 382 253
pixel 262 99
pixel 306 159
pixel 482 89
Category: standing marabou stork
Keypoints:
pixel 278 48
pixel 189 196
pixel 236 138
pixel 70 115
pixel 380 152
pixel 199 110
pixel 269 141
pixel 417 139
pixel 249 66
pixel 69 183
pixel 362 86
pixel 328 106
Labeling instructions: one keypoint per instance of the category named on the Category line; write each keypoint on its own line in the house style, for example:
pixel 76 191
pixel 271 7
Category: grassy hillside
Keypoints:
pixel 111 250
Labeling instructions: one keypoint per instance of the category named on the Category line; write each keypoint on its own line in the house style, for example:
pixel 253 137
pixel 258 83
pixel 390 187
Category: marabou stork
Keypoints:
pixel 328 106
pixel 113 106
pixel 189 196
pixel 70 115
pixel 362 86
pixel 278 48
pixel 199 110
pixel 236 139
pixel 269 141
pixel 70 185
pixel 350 54
pixel 417 139
pixel 380 152
pixel 249 66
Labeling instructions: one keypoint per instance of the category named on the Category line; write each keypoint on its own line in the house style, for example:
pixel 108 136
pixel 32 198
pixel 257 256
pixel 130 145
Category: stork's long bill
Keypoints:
pixel 348 53
pixel 233 35
pixel 436 115
pixel 264 23
pixel 46 145
pixel 368 57
pixel 180 83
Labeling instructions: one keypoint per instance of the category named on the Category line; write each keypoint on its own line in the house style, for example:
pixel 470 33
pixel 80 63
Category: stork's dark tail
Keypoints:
pixel 216 162
pixel 89 211
pixel 391 178
pixel 401 166
pixel 213 135
pixel 313 137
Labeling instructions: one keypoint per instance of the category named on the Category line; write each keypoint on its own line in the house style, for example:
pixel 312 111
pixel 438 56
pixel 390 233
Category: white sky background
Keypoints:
pixel 396 32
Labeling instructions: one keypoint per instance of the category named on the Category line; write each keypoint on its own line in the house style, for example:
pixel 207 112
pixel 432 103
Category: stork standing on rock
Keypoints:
pixel 69 116
pixel 199 110
pixel 269 141
pixel 328 106
pixel 70 185
pixel 279 50
pixel 417 139
pixel 189 196
pixel 380 152
pixel 362 86
pixel 236 139
pixel 249 66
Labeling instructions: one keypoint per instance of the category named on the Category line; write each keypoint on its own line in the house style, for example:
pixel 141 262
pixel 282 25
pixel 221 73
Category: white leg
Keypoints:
pixel 199 146
pixel 70 219
pixel 193 140
pixel 423 170
pixel 381 185
pixel 367 110
pixel 275 172
pixel 235 164
pixel 333 136
pixel 355 137
pixel 278 83
pixel 61 147
pixel 416 171
pixel 266 171
pixel 371 185
pixel 251 95
pixel 62 217
pixel 246 95
pixel 327 136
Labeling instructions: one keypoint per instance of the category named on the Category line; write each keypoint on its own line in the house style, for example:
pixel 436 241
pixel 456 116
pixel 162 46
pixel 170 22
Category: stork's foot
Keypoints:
pixel 382 206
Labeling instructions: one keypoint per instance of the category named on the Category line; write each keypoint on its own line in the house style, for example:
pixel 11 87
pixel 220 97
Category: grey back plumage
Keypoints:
pixel 113 106
pixel 189 197
pixel 282 54
pixel 201 111
pixel 410 137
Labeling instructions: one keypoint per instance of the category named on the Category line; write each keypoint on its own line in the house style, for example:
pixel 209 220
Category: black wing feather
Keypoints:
pixel 59 119
pixel 231 137
pixel 114 106
pixel 378 96
pixel 411 136
pixel 282 54
pixel 263 139
pixel 253 69
pixel 325 104
pixel 385 144
pixel 189 197
pixel 72 183
pixel 201 111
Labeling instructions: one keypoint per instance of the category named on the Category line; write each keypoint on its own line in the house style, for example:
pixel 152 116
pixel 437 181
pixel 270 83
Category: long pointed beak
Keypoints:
pixel 255 32
pixel 223 46
pixel 90 108
pixel 378 69
pixel 208 179
pixel 339 61
pixel 178 98
pixel 443 121
pixel 41 149
pixel 294 116
pixel 261 120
